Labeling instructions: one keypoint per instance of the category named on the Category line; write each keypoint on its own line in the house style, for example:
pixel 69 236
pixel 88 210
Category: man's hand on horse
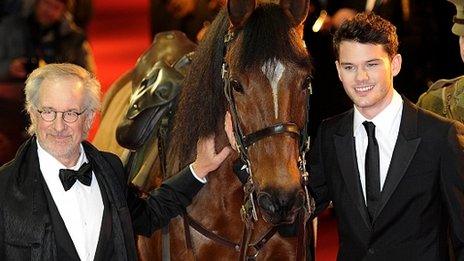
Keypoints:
pixel 207 159
pixel 230 130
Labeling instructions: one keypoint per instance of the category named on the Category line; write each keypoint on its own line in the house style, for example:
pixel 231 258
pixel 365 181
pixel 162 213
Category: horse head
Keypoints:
pixel 266 73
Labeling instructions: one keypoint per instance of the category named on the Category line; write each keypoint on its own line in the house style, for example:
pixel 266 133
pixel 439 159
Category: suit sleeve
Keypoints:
pixel 452 185
pixel 2 233
pixel 317 183
pixel 163 203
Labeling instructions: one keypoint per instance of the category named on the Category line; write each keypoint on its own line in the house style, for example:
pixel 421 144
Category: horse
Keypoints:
pixel 252 70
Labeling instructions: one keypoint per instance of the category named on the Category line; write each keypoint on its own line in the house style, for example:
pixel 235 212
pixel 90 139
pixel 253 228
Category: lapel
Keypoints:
pixel 105 239
pixel 26 202
pixel 405 149
pixel 65 245
pixel 346 155
pixel 110 175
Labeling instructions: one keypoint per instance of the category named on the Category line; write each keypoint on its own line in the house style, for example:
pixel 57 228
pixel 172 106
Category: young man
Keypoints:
pixel 394 172
pixel 62 199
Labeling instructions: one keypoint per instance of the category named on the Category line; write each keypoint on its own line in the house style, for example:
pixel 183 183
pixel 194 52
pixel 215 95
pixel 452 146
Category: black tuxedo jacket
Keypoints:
pixel 30 225
pixel 422 201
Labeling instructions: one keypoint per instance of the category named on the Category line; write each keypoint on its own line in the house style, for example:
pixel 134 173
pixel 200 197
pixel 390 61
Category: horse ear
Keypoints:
pixel 239 11
pixel 297 10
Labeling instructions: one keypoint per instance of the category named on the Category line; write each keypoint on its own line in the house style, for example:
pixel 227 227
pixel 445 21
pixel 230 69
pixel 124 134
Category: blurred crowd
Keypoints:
pixel 34 33
pixel 37 32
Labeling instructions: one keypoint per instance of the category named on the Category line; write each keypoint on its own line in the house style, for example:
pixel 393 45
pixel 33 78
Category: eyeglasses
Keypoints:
pixel 68 116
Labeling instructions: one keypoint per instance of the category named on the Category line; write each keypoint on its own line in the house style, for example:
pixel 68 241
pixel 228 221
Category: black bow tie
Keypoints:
pixel 68 176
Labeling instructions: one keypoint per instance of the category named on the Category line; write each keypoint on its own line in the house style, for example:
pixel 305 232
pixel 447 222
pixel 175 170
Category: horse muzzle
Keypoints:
pixel 279 207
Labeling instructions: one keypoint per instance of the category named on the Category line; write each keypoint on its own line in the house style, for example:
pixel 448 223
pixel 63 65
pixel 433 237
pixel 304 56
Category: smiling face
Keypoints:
pixel 59 138
pixel 366 72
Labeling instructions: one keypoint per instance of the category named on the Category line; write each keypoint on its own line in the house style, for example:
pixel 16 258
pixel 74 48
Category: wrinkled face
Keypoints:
pixel 274 93
pixel 366 72
pixel 59 138
pixel 49 12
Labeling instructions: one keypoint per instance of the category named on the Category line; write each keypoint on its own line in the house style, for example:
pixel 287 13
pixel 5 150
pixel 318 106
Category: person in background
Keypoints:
pixel 47 35
pixel 62 199
pixel 188 16
pixel 446 96
pixel 81 10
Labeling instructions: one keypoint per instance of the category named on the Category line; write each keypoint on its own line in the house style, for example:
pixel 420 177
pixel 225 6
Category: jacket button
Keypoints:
pixel 371 251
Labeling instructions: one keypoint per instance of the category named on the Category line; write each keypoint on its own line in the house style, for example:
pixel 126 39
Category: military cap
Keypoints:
pixel 458 19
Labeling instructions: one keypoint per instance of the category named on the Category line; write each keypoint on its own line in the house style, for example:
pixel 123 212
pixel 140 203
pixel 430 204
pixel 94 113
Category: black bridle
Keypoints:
pixel 248 209
pixel 244 141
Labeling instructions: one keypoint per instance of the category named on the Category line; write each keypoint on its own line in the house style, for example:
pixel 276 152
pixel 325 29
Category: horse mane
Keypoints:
pixel 202 104
pixel 279 40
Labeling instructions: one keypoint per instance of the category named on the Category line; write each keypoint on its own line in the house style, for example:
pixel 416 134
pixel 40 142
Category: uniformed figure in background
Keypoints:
pixel 446 97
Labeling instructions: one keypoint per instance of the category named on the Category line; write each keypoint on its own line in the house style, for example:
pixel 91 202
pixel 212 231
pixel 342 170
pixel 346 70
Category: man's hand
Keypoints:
pixel 230 131
pixel 207 160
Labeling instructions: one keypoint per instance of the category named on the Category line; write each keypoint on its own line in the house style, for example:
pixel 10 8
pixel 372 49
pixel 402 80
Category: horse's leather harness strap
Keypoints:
pixel 300 247
pixel 252 138
pixel 189 221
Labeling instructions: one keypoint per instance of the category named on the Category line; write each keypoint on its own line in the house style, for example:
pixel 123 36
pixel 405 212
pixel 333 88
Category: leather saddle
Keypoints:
pixel 156 80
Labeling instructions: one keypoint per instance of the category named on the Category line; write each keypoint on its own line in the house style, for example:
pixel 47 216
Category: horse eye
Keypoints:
pixel 236 86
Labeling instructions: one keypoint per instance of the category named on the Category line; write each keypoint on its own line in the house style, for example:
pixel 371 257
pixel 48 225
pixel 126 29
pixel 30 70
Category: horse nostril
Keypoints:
pixel 266 203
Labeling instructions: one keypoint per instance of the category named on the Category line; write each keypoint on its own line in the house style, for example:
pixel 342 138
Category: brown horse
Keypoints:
pixel 260 53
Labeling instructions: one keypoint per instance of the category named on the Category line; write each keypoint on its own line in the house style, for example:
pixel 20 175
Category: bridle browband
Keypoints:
pixel 244 142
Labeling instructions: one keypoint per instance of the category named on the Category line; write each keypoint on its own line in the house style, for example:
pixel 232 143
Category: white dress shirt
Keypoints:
pixel 202 180
pixel 387 126
pixel 81 207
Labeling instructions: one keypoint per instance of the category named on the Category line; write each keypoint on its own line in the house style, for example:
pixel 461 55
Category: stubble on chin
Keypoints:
pixel 60 150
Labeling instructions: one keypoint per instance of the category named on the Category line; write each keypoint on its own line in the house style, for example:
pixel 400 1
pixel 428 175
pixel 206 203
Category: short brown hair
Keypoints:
pixel 367 28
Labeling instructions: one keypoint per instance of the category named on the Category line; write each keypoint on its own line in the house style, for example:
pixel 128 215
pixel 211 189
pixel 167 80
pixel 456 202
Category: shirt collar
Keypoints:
pixel 384 120
pixel 49 163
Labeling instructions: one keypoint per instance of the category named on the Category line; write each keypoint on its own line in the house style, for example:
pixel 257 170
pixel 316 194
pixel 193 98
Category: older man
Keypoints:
pixel 62 199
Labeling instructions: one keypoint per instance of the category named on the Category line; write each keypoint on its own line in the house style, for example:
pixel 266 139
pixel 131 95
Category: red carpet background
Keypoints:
pixel 118 34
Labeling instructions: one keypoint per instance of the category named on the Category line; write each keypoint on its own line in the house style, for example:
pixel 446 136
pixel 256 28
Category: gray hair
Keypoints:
pixel 90 83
